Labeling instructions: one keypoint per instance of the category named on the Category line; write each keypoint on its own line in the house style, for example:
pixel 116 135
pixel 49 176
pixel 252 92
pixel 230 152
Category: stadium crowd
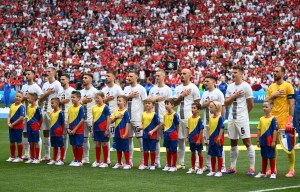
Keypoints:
pixel 95 36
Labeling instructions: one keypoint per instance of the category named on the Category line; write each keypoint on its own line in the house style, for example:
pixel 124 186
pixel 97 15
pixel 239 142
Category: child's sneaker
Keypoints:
pixel 231 170
pixel 166 168
pixel 95 164
pixel 76 164
pixel 260 175
pixel 199 172
pixel 72 163
pixel 251 171
pixel 17 160
pixel 291 173
pixel 117 166
pixel 127 166
pixel 223 170
pixel 191 170
pixel 206 168
pixel 273 176
pixel 36 161
pixel 10 159
pixel 152 167
pixel 173 169
pixel 218 174
pixel 268 173
pixel 29 161
pixel 59 162
pixel 210 174
pixel 52 162
pixel 180 166
pixel 103 165
pixel 143 167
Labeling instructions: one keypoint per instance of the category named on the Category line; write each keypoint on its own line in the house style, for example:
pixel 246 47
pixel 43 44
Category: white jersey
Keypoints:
pixel 135 105
pixel 88 107
pixel 114 91
pixel 54 85
pixel 166 93
pixel 215 95
pixel 185 108
pixel 34 88
pixel 65 94
pixel 238 109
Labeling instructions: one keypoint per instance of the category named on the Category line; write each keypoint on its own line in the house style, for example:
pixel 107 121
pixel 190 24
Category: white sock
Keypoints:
pixel 234 153
pixel 40 145
pixel 251 156
pixel 181 150
pixel 223 158
pixel 26 146
pixel 108 156
pixel 130 149
pixel 47 146
pixel 86 149
pixel 66 144
pixel 208 157
pixel 140 140
pixel 157 158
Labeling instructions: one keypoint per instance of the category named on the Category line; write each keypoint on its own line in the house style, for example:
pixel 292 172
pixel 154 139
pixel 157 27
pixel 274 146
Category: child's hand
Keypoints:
pixel 273 144
pixel 72 132
pixel 150 133
pixel 119 116
pixel 187 140
pixel 106 133
pixel 198 142
pixel 218 142
pixel 10 126
pixel 69 131
pixel 258 144
pixel 138 129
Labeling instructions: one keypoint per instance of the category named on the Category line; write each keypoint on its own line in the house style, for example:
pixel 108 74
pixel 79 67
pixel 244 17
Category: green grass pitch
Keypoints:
pixel 43 177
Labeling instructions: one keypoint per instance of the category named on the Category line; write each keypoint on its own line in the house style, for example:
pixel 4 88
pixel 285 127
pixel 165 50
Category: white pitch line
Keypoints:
pixel 276 189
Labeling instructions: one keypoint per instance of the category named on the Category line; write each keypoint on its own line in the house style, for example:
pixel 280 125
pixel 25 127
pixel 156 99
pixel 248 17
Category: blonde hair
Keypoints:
pixel 150 100
pixel 218 105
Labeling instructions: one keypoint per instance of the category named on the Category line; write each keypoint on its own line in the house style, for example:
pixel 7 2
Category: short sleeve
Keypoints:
pixel 126 117
pixel 200 124
pixel 196 93
pixel 22 110
pixel 156 119
pixel 221 122
pixel 107 110
pixel 248 92
pixel 176 119
pixel 81 112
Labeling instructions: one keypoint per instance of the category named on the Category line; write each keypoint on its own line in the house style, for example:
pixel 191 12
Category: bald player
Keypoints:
pixel 186 94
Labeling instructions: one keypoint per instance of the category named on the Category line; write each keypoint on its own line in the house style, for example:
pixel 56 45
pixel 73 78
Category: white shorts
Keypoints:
pixel 182 133
pixel 133 131
pixel 46 122
pixel 87 129
pixel 112 130
pixel 238 129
